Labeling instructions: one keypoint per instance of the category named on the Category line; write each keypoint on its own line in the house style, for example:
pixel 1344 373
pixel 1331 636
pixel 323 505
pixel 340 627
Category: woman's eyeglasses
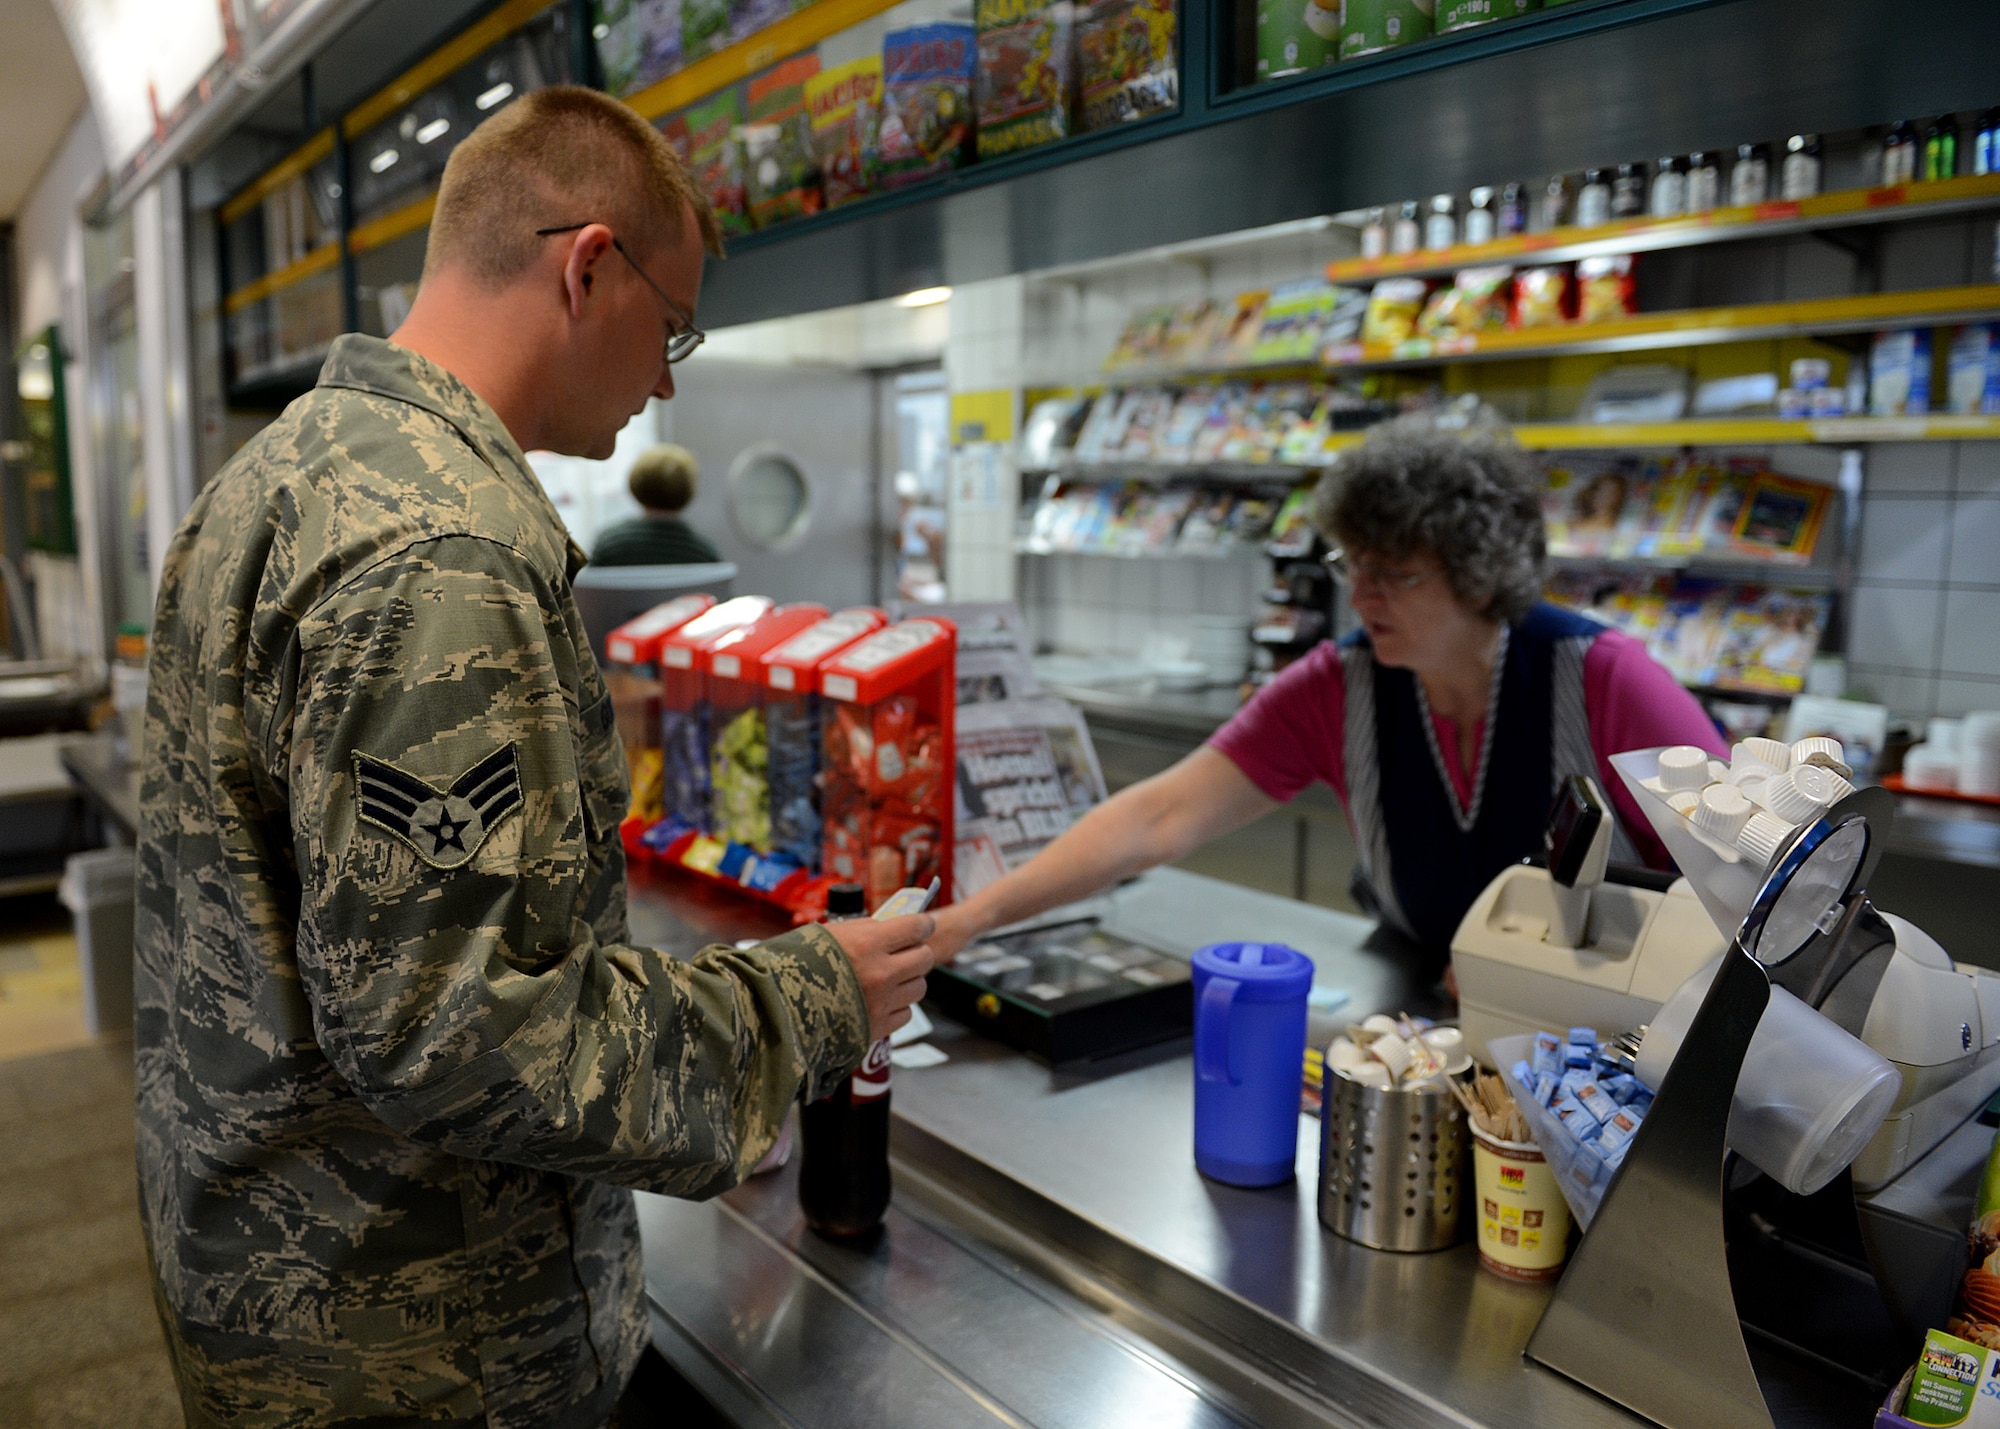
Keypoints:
pixel 1350 572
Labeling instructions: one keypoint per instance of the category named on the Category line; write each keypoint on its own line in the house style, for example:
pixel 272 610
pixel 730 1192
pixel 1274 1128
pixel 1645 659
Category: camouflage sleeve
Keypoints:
pixel 455 792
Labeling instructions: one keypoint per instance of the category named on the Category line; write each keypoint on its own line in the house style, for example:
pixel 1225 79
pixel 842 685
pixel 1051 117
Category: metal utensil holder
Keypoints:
pixel 1394 1166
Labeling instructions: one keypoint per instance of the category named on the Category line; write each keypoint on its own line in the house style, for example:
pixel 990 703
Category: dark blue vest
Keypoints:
pixel 1405 821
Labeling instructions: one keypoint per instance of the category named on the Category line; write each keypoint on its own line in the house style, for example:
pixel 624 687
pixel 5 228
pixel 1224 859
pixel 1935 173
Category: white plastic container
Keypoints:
pixel 97 888
pixel 1810 1096
pixel 1721 875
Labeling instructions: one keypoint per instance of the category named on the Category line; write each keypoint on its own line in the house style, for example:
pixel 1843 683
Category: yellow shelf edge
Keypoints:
pixel 1638 234
pixel 393 225
pixel 1693 326
pixel 318 261
pixel 442 61
pixel 278 175
pixel 797 31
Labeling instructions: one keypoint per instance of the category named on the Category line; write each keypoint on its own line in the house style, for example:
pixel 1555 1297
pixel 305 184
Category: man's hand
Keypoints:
pixel 890 957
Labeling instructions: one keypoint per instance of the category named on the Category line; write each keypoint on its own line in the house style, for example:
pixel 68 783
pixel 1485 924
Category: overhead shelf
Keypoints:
pixel 440 64
pixel 292 166
pixel 326 256
pixel 393 225
pixel 1847 208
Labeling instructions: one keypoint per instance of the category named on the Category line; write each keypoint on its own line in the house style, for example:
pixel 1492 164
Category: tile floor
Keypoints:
pixel 79 1343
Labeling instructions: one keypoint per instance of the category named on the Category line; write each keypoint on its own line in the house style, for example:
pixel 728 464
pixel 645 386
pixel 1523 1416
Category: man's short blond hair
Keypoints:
pixel 559 156
pixel 663 478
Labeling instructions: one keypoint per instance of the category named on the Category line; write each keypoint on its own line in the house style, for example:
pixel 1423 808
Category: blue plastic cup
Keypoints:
pixel 1249 1053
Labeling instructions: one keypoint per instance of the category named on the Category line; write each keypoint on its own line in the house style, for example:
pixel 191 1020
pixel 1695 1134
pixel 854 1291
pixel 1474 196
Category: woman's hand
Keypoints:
pixel 957 926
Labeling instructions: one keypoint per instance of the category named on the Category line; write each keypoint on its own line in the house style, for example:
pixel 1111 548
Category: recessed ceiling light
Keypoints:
pixel 383 162
pixel 436 129
pixel 501 91
pixel 924 298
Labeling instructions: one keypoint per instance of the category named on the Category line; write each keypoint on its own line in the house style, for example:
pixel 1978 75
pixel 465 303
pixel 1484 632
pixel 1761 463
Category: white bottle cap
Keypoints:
pixel 1762 835
pixel 1820 750
pixel 1718 772
pixel 1369 1074
pixel 1743 770
pixel 1341 1052
pixel 1799 795
pixel 1378 1022
pixel 1723 811
pixel 1444 1041
pixel 1683 801
pixel 1392 1052
pixel 1766 751
pixel 1684 766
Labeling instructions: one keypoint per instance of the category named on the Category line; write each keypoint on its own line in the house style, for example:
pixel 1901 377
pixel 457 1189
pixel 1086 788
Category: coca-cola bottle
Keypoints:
pixel 844 1138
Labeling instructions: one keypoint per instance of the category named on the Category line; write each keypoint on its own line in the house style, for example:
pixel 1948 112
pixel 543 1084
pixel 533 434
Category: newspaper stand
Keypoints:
pixel 739 813
pixel 684 727
pixel 888 748
pixel 632 675
pixel 792 721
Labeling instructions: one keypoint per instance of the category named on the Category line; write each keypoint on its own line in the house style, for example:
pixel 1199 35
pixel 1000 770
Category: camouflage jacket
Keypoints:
pixel 396 1057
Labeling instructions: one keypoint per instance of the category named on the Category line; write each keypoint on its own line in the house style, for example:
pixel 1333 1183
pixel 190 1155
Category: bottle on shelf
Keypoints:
pixel 1669 197
pixel 1941 149
pixel 1441 227
pixel 1899 153
pixel 1750 178
pixel 1628 191
pixel 1553 210
pixel 1480 223
pixel 844 1138
pixel 1407 235
pixel 1800 176
pixel 1986 144
pixel 1513 216
pixel 1375 233
pixel 1593 200
pixel 1704 181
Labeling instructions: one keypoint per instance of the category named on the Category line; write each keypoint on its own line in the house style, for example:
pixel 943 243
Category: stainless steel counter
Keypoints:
pixel 1053 1258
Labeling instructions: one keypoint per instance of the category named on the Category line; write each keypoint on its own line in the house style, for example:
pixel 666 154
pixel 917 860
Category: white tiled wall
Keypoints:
pixel 1112 605
pixel 1924 634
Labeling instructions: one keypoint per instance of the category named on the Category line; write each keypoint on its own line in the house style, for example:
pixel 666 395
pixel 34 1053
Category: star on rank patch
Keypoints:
pixel 445 826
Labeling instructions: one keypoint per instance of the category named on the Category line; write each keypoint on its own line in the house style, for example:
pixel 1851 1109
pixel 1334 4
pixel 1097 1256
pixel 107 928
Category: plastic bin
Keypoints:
pixel 97 888
pixel 1581 1174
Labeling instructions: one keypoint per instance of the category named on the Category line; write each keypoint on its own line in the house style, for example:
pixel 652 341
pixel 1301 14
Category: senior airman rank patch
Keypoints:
pixel 445 826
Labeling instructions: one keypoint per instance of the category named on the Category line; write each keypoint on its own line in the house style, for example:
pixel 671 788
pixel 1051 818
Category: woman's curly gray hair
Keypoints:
pixel 1468 496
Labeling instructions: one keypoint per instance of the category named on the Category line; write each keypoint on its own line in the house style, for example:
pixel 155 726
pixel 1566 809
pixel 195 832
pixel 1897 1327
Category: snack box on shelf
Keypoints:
pixel 888 747
pixel 793 727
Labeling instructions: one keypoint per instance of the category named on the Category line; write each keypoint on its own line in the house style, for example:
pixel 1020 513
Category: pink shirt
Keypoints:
pixel 1292 731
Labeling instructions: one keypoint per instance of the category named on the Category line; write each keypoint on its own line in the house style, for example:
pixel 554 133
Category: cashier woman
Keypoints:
pixel 1443 724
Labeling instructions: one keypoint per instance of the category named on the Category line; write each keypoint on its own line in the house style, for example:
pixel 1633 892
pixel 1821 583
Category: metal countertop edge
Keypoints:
pixel 1324 1375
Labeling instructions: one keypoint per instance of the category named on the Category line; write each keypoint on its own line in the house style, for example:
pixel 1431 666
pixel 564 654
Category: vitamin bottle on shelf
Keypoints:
pixel 1750 179
pixel 1800 176
pixel 1628 191
pixel 1900 148
pixel 1479 221
pixel 1441 227
pixel 1941 149
pixel 1407 235
pixel 1375 234
pixel 1704 181
pixel 1593 200
pixel 1513 215
pixel 844 1138
pixel 1669 196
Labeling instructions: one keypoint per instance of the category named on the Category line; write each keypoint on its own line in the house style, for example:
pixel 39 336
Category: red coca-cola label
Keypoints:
pixel 871 1079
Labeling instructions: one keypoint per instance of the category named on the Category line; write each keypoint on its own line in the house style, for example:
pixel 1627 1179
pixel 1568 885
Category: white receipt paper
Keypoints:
pixel 920 1055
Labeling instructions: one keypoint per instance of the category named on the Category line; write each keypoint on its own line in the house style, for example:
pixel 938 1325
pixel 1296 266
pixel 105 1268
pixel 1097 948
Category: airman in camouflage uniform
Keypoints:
pixel 396 1055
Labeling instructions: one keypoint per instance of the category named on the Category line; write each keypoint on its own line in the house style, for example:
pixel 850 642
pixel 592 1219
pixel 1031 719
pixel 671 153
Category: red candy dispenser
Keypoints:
pixel 632 675
pixel 684 723
pixel 889 758
pixel 739 749
pixel 792 707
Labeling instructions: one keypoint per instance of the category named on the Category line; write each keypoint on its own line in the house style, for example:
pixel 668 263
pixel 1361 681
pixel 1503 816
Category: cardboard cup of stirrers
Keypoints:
pixel 1491 1107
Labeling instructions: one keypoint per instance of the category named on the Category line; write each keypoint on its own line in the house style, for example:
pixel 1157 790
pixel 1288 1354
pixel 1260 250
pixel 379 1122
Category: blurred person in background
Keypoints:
pixel 662 481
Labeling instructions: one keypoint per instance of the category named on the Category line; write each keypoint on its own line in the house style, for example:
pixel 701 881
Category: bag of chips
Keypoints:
pixel 843 105
pixel 1126 67
pixel 715 158
pixel 1026 83
pixel 1475 302
pixel 1604 289
pixel 704 27
pixel 1393 307
pixel 1541 297
pixel 779 172
pixel 926 101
